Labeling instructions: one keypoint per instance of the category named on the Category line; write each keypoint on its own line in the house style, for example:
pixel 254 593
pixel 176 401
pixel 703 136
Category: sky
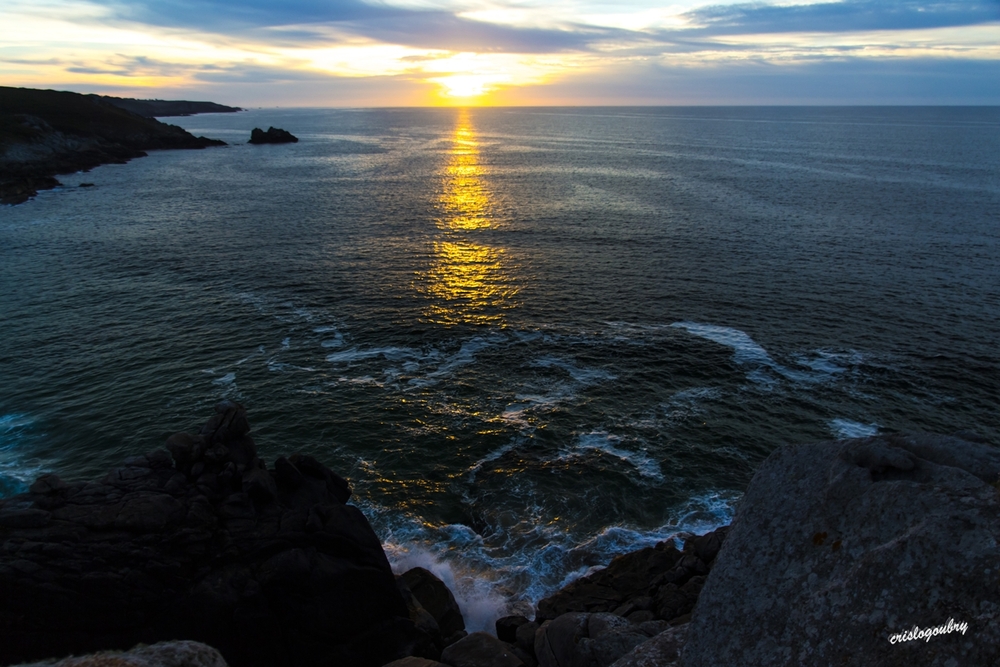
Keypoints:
pixel 358 53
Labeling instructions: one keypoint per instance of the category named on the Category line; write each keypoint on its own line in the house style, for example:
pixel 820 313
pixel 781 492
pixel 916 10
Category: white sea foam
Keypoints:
pixel 608 444
pixel 225 380
pixel 357 354
pixel 747 352
pixel 510 570
pixel 584 376
pixel 845 428
pixel 18 468
pixel 336 341
pixel 477 595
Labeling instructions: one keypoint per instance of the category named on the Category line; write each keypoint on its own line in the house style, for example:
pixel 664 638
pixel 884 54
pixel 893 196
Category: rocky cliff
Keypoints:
pixel 162 108
pixel 44 133
pixel 867 552
pixel 205 543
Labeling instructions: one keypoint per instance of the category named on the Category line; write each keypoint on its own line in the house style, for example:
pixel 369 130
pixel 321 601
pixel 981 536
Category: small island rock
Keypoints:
pixel 274 135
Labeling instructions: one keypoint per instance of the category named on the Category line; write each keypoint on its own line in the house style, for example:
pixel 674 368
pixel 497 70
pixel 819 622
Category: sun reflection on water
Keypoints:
pixel 468 281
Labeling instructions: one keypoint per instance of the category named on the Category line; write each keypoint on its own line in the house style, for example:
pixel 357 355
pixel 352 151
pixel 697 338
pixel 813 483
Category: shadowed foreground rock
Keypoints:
pixel 654 583
pixel 164 654
pixel 204 543
pixel 838 546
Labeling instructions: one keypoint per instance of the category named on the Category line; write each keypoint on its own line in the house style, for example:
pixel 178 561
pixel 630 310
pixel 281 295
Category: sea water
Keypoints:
pixel 530 338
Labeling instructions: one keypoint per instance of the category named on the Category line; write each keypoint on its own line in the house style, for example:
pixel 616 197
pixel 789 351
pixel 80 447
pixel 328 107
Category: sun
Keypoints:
pixel 464 85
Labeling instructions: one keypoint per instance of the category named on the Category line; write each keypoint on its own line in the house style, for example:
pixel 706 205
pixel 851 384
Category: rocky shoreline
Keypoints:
pixel 44 133
pixel 836 549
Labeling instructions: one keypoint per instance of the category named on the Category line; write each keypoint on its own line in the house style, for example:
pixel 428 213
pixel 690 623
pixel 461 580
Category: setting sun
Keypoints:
pixel 464 86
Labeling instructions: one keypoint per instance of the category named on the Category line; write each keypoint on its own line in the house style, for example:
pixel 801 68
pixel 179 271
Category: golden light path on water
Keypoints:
pixel 468 281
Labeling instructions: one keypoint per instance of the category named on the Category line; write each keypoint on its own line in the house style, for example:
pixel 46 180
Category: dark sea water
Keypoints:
pixel 530 338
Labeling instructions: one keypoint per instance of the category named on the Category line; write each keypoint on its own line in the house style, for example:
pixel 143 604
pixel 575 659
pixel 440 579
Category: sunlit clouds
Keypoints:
pixel 351 53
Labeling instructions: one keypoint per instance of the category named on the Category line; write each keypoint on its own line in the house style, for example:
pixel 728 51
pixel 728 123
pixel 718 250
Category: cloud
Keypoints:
pixel 848 16
pixel 312 21
pixel 851 81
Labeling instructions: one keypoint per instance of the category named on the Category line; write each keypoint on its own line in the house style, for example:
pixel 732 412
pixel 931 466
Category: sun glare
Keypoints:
pixel 465 86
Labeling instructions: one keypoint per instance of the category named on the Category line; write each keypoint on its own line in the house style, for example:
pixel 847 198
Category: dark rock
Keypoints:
pixel 653 628
pixel 641 616
pixel 586 640
pixel 458 635
pixel 480 649
pixel 525 637
pixel 663 650
pixel 524 656
pixel 200 543
pixel 556 640
pixel 838 547
pixel 435 597
pixel 413 661
pixel 423 621
pixel 24 518
pixel 162 654
pixel 259 485
pixel 644 583
pixel 86 185
pixel 507 628
pixel 273 135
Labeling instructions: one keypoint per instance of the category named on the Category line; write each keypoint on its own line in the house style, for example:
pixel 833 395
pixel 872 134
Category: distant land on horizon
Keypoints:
pixel 163 108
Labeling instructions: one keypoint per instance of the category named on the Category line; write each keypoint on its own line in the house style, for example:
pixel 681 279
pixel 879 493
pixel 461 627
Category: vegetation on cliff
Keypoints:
pixel 46 132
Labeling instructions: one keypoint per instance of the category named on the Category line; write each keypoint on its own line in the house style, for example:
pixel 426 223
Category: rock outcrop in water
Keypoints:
pixel 840 549
pixel 273 135
pixel 44 133
pixel 201 542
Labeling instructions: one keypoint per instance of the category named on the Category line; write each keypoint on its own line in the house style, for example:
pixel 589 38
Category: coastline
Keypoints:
pixel 202 541
pixel 46 133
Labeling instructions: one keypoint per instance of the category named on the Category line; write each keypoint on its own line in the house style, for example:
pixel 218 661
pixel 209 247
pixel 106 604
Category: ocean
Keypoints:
pixel 531 339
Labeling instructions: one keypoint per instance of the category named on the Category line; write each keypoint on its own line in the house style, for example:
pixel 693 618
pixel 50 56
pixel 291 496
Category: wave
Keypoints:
pixel 747 352
pixel 609 445
pixel 845 428
pixel 510 570
pixel 18 468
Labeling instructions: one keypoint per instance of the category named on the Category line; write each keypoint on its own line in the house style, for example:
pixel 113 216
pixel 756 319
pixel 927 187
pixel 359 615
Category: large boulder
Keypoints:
pixel 654 583
pixel 849 552
pixel 663 650
pixel 203 543
pixel 579 639
pixel 480 649
pixel 163 654
pixel 434 596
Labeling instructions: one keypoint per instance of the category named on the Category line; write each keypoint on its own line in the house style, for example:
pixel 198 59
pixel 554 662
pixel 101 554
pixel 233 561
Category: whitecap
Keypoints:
pixel 845 428
pixel 226 379
pixel 17 468
pixel 357 354
pixel 745 350
pixel 336 341
pixel 584 376
pixel 608 444
pixel 748 352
